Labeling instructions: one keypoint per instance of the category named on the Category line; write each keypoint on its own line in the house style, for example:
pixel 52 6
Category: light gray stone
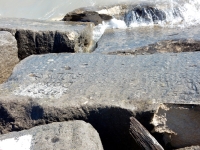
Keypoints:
pixel 8 55
pixel 94 77
pixel 76 135
pixel 39 37
pixel 104 90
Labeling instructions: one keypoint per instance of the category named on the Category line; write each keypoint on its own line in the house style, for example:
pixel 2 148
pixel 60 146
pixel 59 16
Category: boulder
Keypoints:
pixel 159 77
pixel 97 14
pixel 40 37
pixel 76 135
pixel 87 16
pixel 144 14
pixel 8 55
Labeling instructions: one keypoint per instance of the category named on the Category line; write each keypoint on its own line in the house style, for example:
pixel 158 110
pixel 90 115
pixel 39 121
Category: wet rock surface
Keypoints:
pixel 76 135
pixel 8 55
pixel 97 14
pixel 171 46
pixel 144 14
pixel 39 37
pixel 149 40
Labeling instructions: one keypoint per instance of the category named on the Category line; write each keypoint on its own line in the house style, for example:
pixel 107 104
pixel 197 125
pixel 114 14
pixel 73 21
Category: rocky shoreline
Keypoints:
pixel 61 89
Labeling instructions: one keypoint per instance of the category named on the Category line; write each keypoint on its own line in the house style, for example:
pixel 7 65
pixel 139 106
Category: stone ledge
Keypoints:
pixel 39 37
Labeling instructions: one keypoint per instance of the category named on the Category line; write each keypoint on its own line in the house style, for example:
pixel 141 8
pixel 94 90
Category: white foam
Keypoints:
pixel 113 23
pixel 116 24
pixel 20 143
pixel 98 31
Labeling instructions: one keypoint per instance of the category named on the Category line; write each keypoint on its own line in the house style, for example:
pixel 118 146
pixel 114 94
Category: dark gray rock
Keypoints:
pixel 168 46
pixel 147 40
pixel 39 37
pixel 8 55
pixel 76 135
pixel 97 14
pixel 144 14
pixel 87 16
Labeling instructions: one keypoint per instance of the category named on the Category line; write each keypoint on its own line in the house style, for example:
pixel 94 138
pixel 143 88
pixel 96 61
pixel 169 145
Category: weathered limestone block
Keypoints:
pixel 158 77
pixel 76 135
pixel 179 124
pixel 39 37
pixel 8 55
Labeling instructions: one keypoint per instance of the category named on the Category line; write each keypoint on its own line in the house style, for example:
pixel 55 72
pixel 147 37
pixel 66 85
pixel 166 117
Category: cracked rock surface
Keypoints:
pixel 76 135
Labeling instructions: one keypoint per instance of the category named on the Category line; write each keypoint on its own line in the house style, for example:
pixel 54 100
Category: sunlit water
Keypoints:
pixel 51 9
pixel 178 13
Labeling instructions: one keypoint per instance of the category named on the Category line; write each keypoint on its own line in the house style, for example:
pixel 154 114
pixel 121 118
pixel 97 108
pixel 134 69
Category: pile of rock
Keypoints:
pixel 95 100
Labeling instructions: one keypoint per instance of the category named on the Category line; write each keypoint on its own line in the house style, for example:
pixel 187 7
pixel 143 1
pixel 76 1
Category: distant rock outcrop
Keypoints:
pixel 87 16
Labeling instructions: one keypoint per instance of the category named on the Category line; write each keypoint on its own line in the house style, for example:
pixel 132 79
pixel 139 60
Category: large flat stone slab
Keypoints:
pixel 8 55
pixel 39 37
pixel 149 40
pixel 94 77
pixel 105 90
pixel 76 135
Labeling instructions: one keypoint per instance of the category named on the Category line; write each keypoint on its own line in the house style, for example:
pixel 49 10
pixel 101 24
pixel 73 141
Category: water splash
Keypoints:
pixel 174 13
